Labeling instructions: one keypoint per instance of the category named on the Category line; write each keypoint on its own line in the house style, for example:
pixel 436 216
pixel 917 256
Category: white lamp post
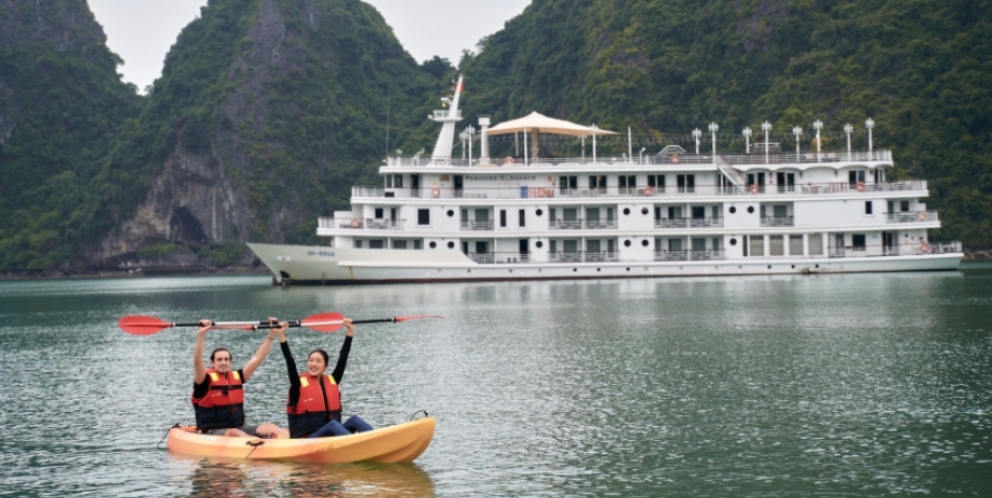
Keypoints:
pixel 696 134
pixel 747 138
pixel 594 128
pixel 798 132
pixel 641 155
pixel 818 125
pixel 713 129
pixel 461 136
pixel 848 129
pixel 869 124
pixel 766 127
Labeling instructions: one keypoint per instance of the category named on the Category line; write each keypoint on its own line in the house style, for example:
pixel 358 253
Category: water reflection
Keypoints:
pixel 215 477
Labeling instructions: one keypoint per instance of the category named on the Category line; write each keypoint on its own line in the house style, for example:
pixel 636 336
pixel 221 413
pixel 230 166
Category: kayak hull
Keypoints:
pixel 393 444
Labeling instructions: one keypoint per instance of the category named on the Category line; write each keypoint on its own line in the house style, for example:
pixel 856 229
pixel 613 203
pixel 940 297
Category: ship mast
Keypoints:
pixel 448 118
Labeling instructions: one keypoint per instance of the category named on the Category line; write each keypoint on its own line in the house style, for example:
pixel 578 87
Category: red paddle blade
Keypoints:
pixel 142 325
pixel 415 317
pixel 324 322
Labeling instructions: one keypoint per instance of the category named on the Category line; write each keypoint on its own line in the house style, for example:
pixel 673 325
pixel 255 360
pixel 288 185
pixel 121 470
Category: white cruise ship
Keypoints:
pixel 758 211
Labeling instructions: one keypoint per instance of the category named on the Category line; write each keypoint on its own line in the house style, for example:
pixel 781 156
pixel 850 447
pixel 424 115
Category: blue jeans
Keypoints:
pixel 350 426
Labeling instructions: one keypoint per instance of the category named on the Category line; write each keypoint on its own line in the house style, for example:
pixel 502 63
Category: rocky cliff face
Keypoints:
pixel 283 124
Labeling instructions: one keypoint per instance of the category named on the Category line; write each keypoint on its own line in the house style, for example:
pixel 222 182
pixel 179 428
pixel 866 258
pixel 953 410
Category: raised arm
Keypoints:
pixel 199 369
pixel 345 351
pixel 249 369
pixel 294 374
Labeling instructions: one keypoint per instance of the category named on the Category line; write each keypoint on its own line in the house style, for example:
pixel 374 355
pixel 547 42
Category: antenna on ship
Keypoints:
pixel 447 118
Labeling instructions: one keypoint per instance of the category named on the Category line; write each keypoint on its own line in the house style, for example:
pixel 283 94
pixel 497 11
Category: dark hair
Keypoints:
pixel 322 353
pixel 219 350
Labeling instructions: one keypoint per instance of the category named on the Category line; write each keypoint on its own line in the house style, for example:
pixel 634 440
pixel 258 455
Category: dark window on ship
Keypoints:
pixel 657 182
pixel 423 216
pixel 597 183
pixel 858 242
pixel 399 244
pixel 358 244
pixel 378 213
pixel 398 181
pixel 867 207
pixel 686 183
pixel 502 218
pixel 904 206
pixel 418 245
pixel 376 244
pixel 523 219
pixel 567 182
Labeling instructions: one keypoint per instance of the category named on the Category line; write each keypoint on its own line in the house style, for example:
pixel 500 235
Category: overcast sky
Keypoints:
pixel 141 31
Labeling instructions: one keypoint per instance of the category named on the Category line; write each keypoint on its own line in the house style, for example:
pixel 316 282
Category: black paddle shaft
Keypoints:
pixel 197 324
pixel 299 323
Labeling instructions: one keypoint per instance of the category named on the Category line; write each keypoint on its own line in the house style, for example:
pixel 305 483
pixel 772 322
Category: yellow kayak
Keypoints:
pixel 397 443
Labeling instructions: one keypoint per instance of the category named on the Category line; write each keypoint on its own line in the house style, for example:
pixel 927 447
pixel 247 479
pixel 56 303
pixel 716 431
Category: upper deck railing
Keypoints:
pixel 755 158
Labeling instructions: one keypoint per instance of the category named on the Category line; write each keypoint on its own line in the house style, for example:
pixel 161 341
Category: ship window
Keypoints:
pixel 418 245
pixel 626 211
pixel 815 244
pixel 867 207
pixel 398 181
pixel 523 220
pixel 539 212
pixel 502 218
pixel 795 245
pixel 645 242
pixel 733 209
pixel 776 246
pixel 358 244
pixel 858 242
pixel 645 211
pixel 750 209
pixel 904 206
pixel 733 242
pixel 757 246
pixel 376 244
pixel 451 245
pixel 433 245
pixel 626 243
pixel 378 213
pixel 451 212
pixel 539 244
pixel 423 216
pixel 399 244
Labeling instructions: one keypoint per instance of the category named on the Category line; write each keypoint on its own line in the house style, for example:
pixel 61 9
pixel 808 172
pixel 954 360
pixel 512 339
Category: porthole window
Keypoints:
pixel 733 242
pixel 644 211
pixel 539 212
pixel 626 211
pixel 451 212
pixel 575 269
pixel 626 243
pixel 769 267
pixel 539 244
pixel 433 245
pixel 733 209
pixel 599 269
pixel 628 269
pixel 645 242
pixel 451 245
pixel 750 209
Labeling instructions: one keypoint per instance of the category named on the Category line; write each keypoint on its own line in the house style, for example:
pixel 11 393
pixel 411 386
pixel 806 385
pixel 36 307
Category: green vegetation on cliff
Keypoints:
pixel 919 68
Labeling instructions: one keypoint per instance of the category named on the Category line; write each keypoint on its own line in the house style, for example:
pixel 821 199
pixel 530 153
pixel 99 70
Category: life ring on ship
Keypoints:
pixel 435 192
pixel 753 189
pixel 355 223
pixel 675 158
pixel 648 191
pixel 508 160
pixel 921 216
pixel 860 186
pixel 924 248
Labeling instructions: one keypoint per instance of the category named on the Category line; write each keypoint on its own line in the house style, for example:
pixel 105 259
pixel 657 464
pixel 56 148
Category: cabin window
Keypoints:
pixel 904 206
pixel 776 246
pixel 795 245
pixel 815 244
pixel 867 207
pixel 358 243
pixel 398 181
pixel 423 216
pixel 523 218
pixel 378 213
pixel 399 244
pixel 858 242
pixel 418 244
pixel 502 218
pixel 757 248
pixel 376 244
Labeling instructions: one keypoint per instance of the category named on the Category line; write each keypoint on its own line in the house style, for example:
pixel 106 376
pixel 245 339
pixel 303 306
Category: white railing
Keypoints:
pixel 583 257
pixel 582 223
pixel 477 225
pixel 690 255
pixel 687 222
pixel 756 157
pixel 912 217
pixel 913 188
pixel 778 221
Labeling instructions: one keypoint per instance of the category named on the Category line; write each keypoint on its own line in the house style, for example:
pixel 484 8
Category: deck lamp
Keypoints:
pixel 869 124
pixel 747 138
pixel 766 127
pixel 469 133
pixel 848 129
pixel 696 134
pixel 818 125
pixel 798 132
pixel 713 129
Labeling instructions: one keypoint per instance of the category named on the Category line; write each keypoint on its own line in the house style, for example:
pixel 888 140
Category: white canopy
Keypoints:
pixel 538 123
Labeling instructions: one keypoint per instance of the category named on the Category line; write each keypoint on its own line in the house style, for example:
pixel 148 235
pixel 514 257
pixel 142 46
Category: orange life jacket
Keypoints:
pixel 223 405
pixel 319 403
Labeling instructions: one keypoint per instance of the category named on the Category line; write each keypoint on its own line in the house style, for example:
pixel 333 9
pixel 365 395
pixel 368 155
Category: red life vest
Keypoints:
pixel 319 403
pixel 223 405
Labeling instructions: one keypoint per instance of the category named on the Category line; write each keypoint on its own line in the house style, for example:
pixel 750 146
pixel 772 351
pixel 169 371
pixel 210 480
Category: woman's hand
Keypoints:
pixel 351 328
pixel 281 331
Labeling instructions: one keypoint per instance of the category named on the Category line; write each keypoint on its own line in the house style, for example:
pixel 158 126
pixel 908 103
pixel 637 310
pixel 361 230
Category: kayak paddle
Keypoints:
pixel 321 322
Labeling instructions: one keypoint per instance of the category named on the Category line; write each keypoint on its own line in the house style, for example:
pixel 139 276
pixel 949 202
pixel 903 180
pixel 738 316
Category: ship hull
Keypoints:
pixel 318 265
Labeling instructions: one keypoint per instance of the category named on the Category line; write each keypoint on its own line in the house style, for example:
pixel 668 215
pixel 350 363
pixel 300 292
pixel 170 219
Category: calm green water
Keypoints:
pixel 857 385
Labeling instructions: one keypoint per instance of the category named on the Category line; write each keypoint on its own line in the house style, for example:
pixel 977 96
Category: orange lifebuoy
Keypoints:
pixel 675 158
pixel 921 216
pixel 648 191
pixel 508 160
pixel 355 223
pixel 925 248
pixel 753 188
pixel 435 192
pixel 860 186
